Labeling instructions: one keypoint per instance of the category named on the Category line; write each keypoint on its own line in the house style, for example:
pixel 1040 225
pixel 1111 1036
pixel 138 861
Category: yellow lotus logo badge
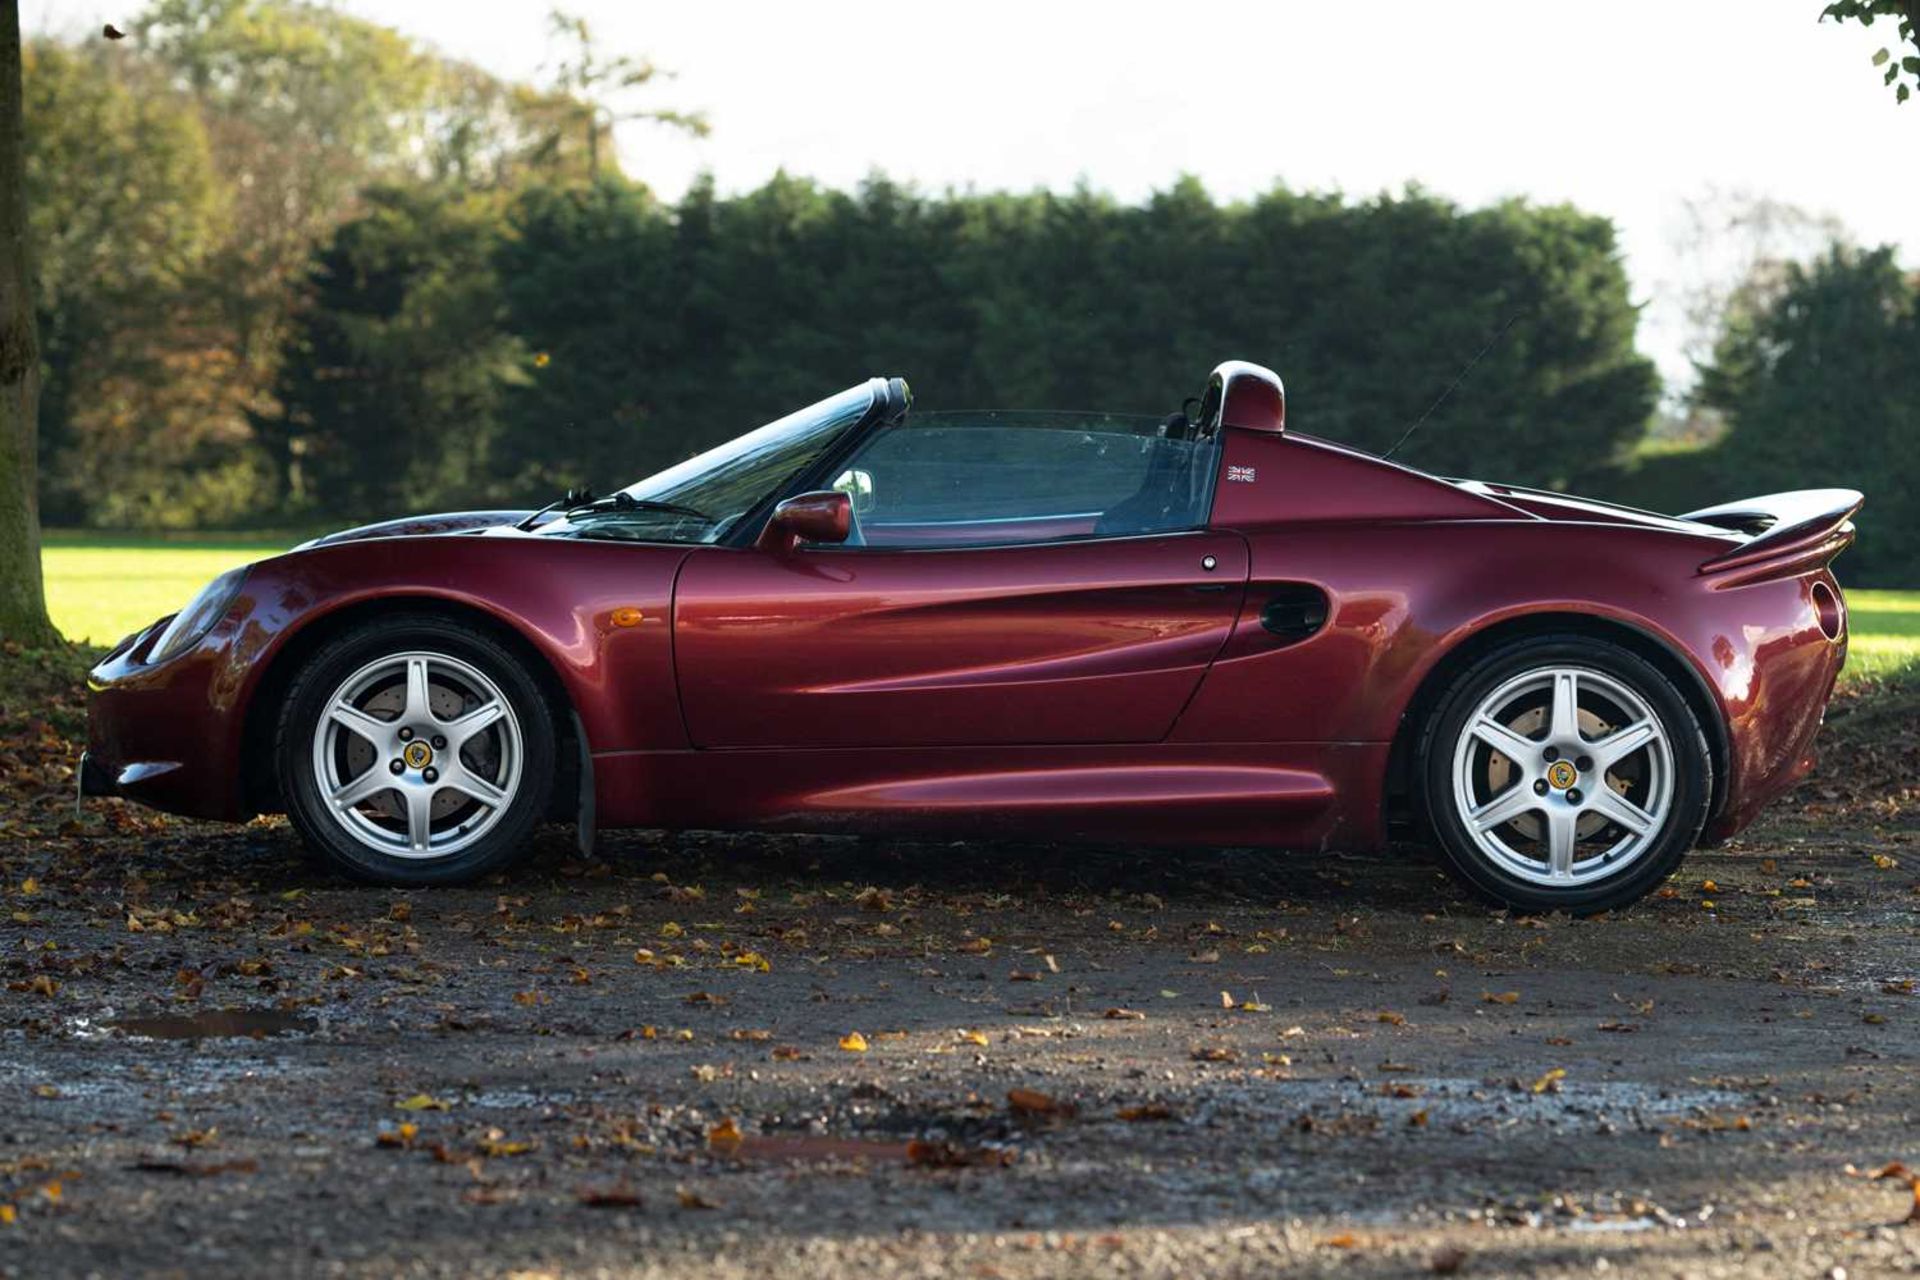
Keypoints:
pixel 418 754
pixel 1562 775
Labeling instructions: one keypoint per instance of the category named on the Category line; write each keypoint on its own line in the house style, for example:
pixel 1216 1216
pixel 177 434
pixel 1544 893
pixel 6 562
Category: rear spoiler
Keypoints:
pixel 1787 532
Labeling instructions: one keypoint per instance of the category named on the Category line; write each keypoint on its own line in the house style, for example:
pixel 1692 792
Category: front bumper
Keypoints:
pixel 94 778
pixel 166 735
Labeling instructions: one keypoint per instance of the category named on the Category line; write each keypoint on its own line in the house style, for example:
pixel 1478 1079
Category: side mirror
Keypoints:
pixel 826 516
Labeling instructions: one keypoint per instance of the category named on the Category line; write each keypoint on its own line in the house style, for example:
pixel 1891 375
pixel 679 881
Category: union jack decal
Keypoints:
pixel 1243 474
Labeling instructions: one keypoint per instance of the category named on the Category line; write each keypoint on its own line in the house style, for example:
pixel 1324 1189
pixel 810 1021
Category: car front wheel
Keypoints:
pixel 416 751
pixel 1564 774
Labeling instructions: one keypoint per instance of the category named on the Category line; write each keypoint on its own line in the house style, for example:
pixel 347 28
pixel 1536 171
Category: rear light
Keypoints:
pixel 1833 614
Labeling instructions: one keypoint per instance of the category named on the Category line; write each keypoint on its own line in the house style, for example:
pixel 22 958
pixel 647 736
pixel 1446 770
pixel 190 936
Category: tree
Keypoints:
pixel 396 367
pixel 124 207
pixel 1894 59
pixel 588 89
pixel 304 105
pixel 23 601
pixel 1820 380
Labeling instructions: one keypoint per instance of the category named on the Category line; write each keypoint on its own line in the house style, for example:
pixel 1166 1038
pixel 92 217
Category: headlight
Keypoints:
pixel 199 615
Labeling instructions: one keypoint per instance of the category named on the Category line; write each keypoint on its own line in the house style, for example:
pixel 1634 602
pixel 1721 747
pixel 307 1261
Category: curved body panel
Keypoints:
pixel 1244 681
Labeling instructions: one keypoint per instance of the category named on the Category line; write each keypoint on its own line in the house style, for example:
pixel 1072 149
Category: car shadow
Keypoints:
pixel 1403 877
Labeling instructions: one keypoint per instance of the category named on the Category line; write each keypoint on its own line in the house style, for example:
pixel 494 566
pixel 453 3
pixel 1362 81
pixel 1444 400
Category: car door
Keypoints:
pixel 1092 640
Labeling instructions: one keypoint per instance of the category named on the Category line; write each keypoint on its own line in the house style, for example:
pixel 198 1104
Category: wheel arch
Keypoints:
pixel 1397 791
pixel 260 790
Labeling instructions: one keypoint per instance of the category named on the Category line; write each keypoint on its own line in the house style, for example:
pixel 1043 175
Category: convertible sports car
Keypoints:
pixel 1192 629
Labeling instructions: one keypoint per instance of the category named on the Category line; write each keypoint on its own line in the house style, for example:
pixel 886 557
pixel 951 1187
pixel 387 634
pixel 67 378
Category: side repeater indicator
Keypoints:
pixel 1240 475
pixel 627 616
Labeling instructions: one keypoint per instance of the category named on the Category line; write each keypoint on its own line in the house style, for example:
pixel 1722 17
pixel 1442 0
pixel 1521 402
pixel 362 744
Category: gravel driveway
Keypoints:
pixel 724 1056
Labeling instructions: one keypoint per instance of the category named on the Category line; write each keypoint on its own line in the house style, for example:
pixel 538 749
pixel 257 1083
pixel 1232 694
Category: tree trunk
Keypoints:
pixel 23 601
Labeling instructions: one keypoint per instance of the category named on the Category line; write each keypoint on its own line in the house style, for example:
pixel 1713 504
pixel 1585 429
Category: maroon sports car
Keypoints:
pixel 1196 628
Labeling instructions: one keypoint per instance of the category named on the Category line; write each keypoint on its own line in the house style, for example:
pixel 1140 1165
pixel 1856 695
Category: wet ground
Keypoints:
pixel 738 1056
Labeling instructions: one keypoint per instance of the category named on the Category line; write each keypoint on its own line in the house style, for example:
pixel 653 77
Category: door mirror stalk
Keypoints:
pixel 824 517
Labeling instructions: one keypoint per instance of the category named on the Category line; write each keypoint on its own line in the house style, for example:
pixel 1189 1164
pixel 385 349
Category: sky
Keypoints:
pixel 1630 108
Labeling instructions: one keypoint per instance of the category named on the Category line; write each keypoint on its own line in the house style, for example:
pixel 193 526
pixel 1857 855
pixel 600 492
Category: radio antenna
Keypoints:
pixel 1458 379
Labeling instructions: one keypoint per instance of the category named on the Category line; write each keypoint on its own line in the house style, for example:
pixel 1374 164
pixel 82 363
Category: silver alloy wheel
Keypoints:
pixel 418 755
pixel 1563 776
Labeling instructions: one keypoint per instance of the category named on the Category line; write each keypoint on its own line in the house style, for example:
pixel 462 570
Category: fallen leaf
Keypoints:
pixel 617 1196
pixel 691 1199
pixel 725 1137
pixel 1550 1082
pixel 946 1155
pixel 1500 997
pixel 400 1136
pixel 1031 1102
pixel 1147 1111
pixel 422 1102
pixel 853 1042
pixel 1126 1015
pixel 1901 1173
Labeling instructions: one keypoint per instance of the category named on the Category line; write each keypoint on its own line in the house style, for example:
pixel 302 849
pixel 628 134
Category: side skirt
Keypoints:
pixel 1304 795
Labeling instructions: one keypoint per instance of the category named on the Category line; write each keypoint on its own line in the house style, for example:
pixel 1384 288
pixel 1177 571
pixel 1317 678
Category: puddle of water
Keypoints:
pixel 518 1099
pixel 215 1024
pixel 807 1148
pixel 1611 1226
pixel 1474 1101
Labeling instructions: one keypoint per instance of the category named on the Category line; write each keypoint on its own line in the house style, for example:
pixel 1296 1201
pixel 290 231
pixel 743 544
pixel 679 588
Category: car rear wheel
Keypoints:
pixel 416 751
pixel 1564 773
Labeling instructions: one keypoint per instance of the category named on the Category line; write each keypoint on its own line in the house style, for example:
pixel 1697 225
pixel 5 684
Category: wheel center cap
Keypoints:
pixel 1561 774
pixel 418 754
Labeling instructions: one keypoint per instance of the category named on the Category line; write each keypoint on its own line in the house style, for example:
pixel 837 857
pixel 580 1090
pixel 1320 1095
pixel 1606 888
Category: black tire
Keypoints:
pixel 1479 871
pixel 501 844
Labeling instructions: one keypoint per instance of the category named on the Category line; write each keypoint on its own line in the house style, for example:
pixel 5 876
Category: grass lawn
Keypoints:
pixel 103 586
pixel 1885 629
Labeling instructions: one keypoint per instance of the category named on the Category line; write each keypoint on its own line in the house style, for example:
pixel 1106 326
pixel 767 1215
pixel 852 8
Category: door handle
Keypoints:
pixel 1210 588
pixel 1295 611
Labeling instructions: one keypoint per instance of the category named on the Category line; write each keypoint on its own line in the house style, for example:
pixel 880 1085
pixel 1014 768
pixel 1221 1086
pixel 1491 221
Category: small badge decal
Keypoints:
pixel 1242 475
